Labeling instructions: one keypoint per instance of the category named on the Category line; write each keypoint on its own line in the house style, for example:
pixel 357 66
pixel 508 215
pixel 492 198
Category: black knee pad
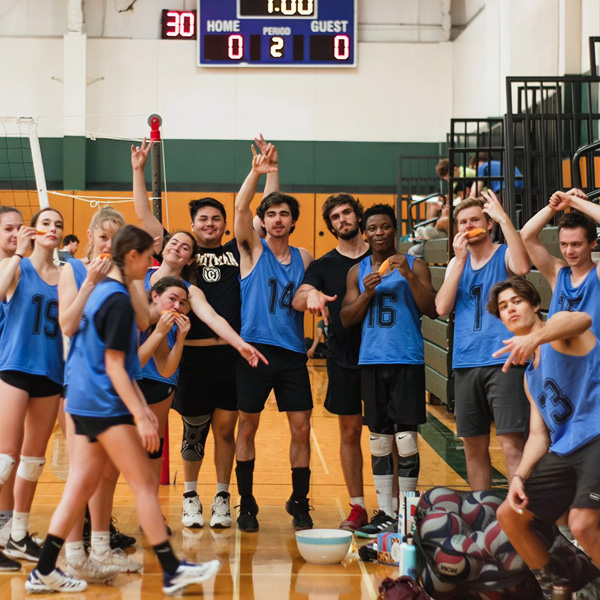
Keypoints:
pixel 195 432
pixel 158 453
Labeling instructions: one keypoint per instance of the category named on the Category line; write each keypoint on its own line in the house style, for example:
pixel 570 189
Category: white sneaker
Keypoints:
pixel 116 558
pixel 221 516
pixel 55 581
pixel 192 510
pixel 5 532
pixel 189 574
pixel 91 570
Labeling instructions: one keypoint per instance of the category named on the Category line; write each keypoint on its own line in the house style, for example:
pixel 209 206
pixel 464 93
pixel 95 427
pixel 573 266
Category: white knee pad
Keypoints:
pixel 381 444
pixel 406 441
pixel 31 467
pixel 7 464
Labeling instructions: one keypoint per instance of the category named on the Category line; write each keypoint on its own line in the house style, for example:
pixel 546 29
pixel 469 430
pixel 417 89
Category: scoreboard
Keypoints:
pixel 276 33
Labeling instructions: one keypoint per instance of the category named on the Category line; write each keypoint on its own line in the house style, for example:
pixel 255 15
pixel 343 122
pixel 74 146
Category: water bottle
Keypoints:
pixel 409 558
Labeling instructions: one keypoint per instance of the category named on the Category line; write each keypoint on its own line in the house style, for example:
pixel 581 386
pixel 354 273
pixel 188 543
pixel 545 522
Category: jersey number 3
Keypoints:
pixel 46 315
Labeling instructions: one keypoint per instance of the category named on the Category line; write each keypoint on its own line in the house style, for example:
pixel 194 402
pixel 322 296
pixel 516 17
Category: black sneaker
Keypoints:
pixel 299 510
pixel 247 520
pixel 380 523
pixel 8 564
pixel 25 548
pixel 118 539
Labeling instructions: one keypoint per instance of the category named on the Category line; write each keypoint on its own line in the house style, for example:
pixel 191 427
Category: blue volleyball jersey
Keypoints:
pixel 566 390
pixel 391 330
pixel 2 316
pixel 32 340
pixel 477 333
pixel 583 298
pixel 90 392
pixel 267 294
pixel 150 370
pixel 79 271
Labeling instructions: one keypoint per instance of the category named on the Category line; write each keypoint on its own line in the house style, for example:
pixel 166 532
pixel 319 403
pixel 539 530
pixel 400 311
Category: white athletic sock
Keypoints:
pixel 190 486
pixel 383 488
pixel 20 524
pixel 360 500
pixel 222 487
pixel 75 551
pixel 407 484
pixel 100 541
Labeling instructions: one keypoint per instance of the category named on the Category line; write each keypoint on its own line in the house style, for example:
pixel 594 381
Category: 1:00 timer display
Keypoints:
pixel 277 8
pixel 276 33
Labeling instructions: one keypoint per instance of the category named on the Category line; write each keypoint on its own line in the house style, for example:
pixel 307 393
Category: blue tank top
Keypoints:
pixel 150 370
pixel 2 309
pixel 566 390
pixel 391 330
pixel 32 340
pixel 583 298
pixel 267 294
pixel 79 271
pixel 90 392
pixel 477 333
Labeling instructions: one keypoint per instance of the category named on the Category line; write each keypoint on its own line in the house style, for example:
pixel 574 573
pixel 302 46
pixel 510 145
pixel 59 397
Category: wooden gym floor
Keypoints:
pixel 266 564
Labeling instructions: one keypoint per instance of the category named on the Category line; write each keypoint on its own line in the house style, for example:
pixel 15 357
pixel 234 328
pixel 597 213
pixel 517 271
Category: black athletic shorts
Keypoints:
pixel 155 391
pixel 286 374
pixel 37 386
pixel 486 394
pixel 343 390
pixel 206 380
pixel 561 482
pixel 94 426
pixel 393 394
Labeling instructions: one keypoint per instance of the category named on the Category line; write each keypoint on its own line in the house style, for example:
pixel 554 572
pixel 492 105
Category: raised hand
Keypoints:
pixel 266 147
pixel 261 163
pixel 139 154
pixel 492 206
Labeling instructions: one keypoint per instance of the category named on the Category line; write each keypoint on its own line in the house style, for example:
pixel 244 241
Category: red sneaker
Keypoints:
pixel 357 518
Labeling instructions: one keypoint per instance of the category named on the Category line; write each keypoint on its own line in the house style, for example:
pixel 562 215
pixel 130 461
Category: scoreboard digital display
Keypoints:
pixel 277 33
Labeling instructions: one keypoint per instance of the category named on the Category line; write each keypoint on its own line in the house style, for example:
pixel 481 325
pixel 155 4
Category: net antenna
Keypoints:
pixel 21 165
pixel 155 122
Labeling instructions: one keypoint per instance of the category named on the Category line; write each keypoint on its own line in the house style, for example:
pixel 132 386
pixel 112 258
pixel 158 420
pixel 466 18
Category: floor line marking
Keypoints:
pixel 237 561
pixel 313 436
pixel 361 565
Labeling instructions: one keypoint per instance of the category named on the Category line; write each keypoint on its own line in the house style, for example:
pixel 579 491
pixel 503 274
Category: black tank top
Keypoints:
pixel 218 276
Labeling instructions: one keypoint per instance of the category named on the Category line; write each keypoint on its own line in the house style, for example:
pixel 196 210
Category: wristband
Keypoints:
pixel 519 477
pixel 19 255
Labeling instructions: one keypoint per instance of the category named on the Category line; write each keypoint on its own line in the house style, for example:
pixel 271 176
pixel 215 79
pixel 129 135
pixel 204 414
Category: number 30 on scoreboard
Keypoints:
pixel 276 33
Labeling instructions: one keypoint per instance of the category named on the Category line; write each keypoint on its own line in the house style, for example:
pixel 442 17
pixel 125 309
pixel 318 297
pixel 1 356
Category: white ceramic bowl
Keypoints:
pixel 323 546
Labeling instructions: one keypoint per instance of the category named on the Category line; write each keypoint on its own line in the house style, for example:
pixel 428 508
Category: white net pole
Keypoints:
pixel 36 158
